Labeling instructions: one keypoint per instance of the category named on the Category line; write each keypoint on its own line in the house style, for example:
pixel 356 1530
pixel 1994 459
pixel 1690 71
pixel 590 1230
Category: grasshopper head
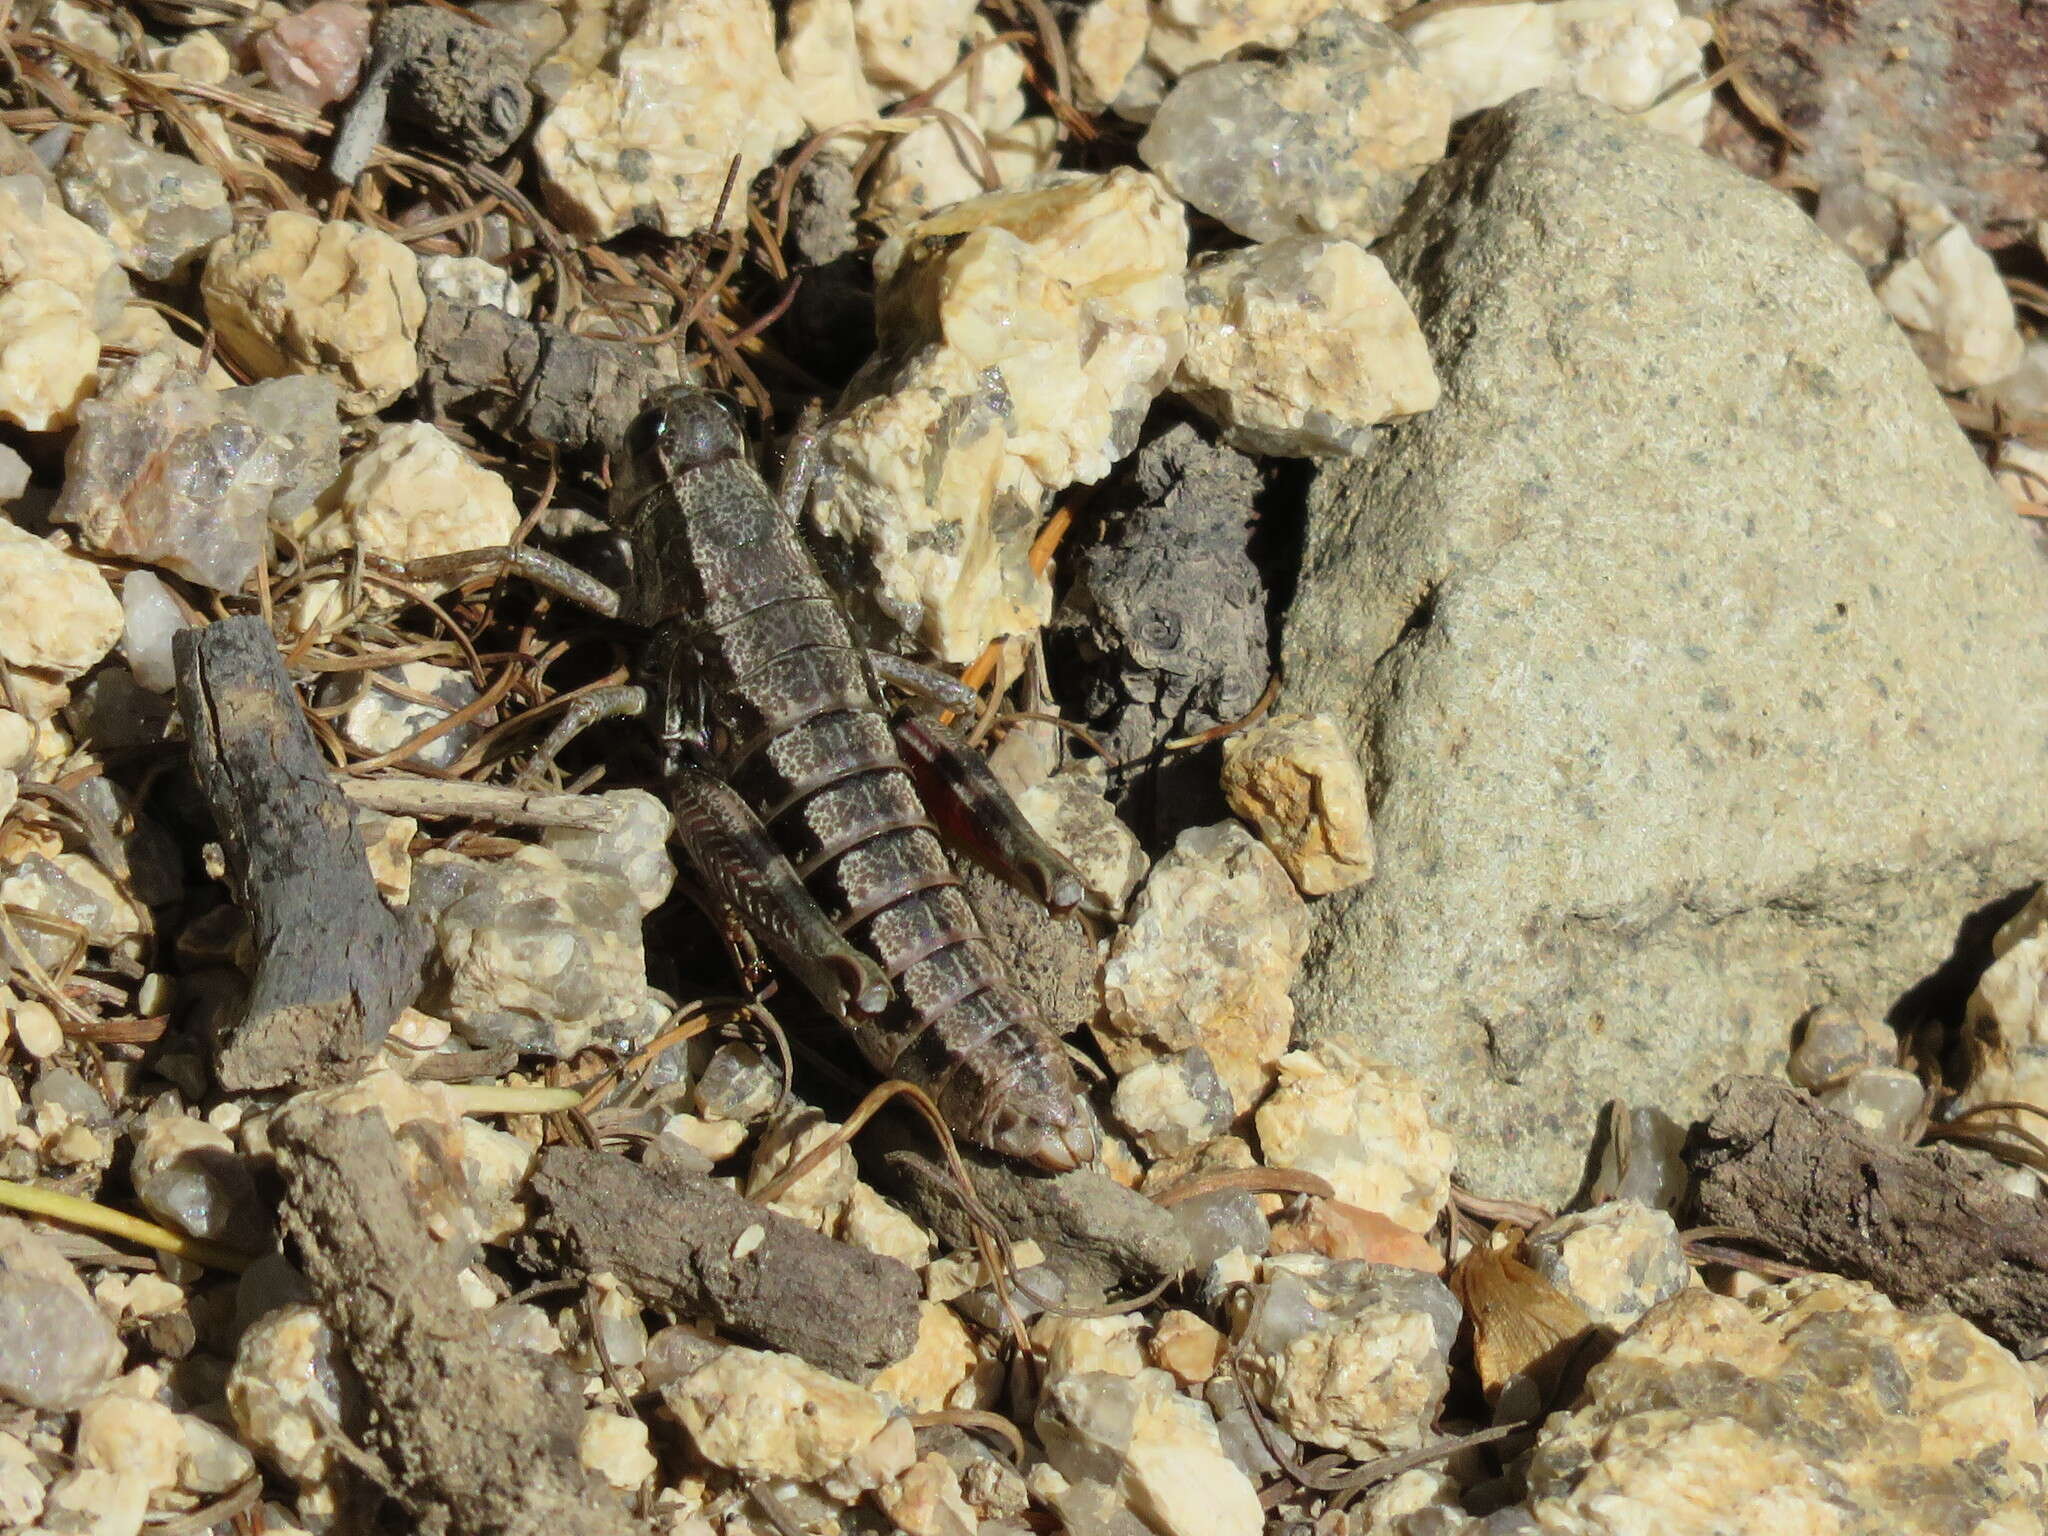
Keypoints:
pixel 681 429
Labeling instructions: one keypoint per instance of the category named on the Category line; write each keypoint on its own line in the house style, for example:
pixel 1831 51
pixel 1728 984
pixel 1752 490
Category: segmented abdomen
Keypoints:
pixel 799 734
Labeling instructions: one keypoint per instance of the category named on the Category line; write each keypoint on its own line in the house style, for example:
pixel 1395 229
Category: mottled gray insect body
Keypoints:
pixel 794 800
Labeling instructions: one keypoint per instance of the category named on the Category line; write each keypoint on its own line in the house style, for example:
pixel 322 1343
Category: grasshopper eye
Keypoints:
pixel 731 407
pixel 647 433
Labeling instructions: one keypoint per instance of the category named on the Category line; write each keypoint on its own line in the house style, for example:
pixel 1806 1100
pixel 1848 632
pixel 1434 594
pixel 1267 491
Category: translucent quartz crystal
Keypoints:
pixel 160 210
pixel 168 470
pixel 316 56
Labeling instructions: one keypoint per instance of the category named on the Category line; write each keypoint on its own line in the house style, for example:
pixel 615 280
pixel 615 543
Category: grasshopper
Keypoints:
pixel 812 815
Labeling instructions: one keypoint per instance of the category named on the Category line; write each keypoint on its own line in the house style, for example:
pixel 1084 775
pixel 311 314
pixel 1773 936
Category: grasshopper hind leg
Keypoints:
pixel 745 872
pixel 970 804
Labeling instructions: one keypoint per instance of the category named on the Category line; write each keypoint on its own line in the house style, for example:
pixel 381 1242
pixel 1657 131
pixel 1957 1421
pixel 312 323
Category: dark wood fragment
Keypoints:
pixel 1098 1236
pixel 474 1440
pixel 675 1237
pixel 334 965
pixel 528 380
pixel 1923 1226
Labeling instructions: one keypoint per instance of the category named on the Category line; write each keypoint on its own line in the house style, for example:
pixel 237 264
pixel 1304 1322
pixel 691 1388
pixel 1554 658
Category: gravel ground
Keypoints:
pixel 1492 546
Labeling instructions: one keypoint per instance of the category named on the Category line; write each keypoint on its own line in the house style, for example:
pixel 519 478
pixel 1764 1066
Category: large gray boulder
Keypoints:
pixel 1699 673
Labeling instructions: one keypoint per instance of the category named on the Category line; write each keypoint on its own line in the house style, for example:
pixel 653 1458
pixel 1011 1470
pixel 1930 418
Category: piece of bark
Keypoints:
pixel 680 1241
pixel 335 966
pixel 1922 1226
pixel 473 1438
pixel 526 379
pixel 1097 1235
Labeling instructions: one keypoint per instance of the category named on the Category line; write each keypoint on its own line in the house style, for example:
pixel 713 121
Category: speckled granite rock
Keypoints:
pixel 1664 691
pixel 1812 1407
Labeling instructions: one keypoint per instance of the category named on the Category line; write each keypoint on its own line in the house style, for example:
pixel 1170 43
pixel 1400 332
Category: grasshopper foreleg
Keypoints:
pixel 801 461
pixel 969 804
pixel 744 871
pixel 925 682
pixel 551 573
pixel 584 711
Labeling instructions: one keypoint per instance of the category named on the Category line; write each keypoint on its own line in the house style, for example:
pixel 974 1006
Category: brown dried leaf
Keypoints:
pixel 1521 1324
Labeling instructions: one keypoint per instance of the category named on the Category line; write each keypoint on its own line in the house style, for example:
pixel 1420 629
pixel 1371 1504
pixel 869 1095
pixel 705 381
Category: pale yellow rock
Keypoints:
pixel 49 355
pixel 1185 1347
pixel 1073 1346
pixel 138 1296
pixel 199 57
pixel 614 1446
pixel 871 1222
pixel 646 138
pixel 715 1139
pixel 85 26
pixel 906 45
pixel 1028 332
pixel 1158 1449
pixel 1363 1126
pixel 1635 55
pixel 124 1432
pixel 1294 778
pixel 926 1500
pixel 885 1457
pixel 291 294
pixel 495 1165
pixel 21 1490
pixel 1070 811
pixel 773 1415
pixel 2023 474
pixel 39 697
pixel 1782 1412
pixel 988 90
pixel 937 164
pixel 57 613
pixel 412 493
pixel 387 844
pixel 75 888
pixel 1953 304
pixel 1301 346
pixel 958 1273
pixel 1206 959
pixel 285 1389
pixel 93 1502
pixel 147 333
pixel 1349 1355
pixel 1616 1261
pixel 1188 33
pixel 943 1359
pixel 39 240
pixel 1106 43
pixel 1367 1386
pixel 1173 1104
pixel 2006 1020
pixel 820 59
pixel 820 1198
pixel 414 1030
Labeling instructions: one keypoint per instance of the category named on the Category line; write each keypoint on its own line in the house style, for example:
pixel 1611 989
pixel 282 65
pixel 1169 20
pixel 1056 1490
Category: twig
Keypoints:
pixel 38 1201
pixel 438 798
